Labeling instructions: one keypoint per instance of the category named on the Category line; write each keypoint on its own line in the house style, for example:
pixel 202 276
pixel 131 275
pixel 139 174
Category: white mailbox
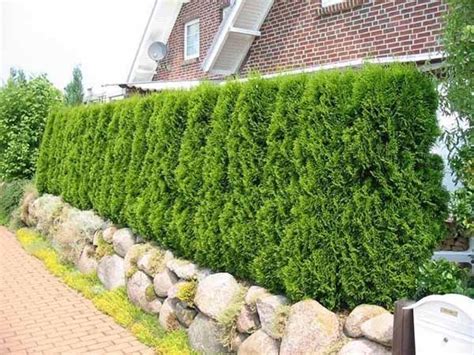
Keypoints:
pixel 444 325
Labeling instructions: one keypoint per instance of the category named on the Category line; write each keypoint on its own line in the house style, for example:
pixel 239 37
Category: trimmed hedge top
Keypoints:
pixel 318 186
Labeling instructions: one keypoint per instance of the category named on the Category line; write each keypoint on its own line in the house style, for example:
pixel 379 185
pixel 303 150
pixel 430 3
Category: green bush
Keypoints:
pixel 318 185
pixel 440 277
pixel 10 197
pixel 24 107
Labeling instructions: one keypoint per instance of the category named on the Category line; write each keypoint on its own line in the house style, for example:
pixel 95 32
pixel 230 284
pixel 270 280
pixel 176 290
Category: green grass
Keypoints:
pixel 114 303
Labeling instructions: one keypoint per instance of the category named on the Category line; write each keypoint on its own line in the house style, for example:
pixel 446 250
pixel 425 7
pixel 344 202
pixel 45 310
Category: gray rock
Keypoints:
pixel 184 269
pixel 237 341
pixel 359 315
pixel 247 321
pixel 43 212
pixel 363 347
pixel 152 262
pixel 311 329
pixel 204 335
pixel 254 293
pixel 87 263
pixel 202 274
pixel 259 343
pixel 216 293
pixel 137 287
pixel 163 281
pixel 132 256
pixel 185 314
pixel 154 306
pixel 271 313
pixel 167 318
pixel 123 239
pixel 111 271
pixel 73 230
pixel 108 234
pixel 379 329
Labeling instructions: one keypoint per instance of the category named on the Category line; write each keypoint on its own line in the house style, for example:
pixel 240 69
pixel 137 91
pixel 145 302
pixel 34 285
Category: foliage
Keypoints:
pixel 187 292
pixel 439 277
pixel 113 303
pixel 103 248
pixel 74 92
pixel 10 197
pixel 24 106
pixel 319 186
pixel 458 100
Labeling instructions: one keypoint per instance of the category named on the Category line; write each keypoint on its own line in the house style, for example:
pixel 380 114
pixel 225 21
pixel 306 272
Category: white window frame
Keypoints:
pixel 186 26
pixel 326 3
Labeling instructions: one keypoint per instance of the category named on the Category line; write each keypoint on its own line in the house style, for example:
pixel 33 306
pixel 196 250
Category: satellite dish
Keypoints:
pixel 157 51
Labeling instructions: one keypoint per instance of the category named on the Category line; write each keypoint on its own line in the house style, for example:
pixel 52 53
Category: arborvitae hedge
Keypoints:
pixel 318 186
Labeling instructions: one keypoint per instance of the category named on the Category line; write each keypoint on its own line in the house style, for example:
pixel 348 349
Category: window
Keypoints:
pixel 191 40
pixel 326 3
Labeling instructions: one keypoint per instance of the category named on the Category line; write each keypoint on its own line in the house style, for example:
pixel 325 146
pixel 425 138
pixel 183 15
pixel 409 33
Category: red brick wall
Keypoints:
pixel 300 33
pixel 174 67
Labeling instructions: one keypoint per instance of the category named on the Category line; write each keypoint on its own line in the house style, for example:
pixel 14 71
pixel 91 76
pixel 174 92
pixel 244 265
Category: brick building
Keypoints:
pixel 212 39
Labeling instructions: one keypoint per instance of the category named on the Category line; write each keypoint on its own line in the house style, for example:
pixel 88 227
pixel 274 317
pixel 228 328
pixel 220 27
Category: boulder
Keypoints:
pixel 237 341
pixel 259 343
pixel 363 347
pixel 184 269
pixel 73 230
pixel 87 263
pixel 108 234
pixel 185 314
pixel 154 306
pixel 163 281
pixel 123 239
pixel 310 329
pixel 202 274
pixel 167 318
pixel 379 329
pixel 138 288
pixel 111 271
pixel 204 335
pixel 247 321
pixel 254 293
pixel 26 206
pixel 271 311
pixel 216 293
pixel 152 262
pixel 132 256
pixel 44 211
pixel 359 315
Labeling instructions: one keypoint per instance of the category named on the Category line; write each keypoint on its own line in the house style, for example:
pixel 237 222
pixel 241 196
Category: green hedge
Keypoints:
pixel 318 186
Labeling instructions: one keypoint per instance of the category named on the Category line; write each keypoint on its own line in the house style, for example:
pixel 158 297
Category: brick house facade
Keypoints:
pixel 301 34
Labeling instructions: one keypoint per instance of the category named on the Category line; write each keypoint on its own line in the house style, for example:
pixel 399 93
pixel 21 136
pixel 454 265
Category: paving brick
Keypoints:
pixel 41 315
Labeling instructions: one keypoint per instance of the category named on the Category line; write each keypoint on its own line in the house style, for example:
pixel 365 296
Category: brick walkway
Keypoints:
pixel 41 315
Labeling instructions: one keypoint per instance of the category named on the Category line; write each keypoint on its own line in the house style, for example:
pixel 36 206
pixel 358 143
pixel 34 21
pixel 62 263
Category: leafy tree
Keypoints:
pixel 459 99
pixel 74 92
pixel 24 106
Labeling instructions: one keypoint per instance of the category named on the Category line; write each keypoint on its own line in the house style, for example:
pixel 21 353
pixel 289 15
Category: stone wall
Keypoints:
pixel 220 314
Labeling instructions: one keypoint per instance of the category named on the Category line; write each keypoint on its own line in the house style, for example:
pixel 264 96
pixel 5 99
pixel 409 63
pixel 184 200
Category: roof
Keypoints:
pixel 160 23
pixel 235 36
pixel 230 45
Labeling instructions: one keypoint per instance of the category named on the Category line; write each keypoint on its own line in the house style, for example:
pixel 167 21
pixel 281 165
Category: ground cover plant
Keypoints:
pixel 114 303
pixel 319 185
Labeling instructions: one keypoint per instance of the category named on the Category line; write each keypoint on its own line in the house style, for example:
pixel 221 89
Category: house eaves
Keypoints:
pixel 235 36
pixel 160 23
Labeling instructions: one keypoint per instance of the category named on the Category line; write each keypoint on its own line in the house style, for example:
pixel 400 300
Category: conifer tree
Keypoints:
pixel 74 91
pixel 215 190
pixel 188 174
